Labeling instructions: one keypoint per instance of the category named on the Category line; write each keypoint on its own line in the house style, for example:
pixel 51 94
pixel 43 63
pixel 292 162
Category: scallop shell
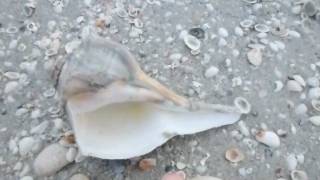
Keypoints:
pixel 309 8
pixel 298 175
pixel 243 105
pixel 192 42
pixel 111 102
pixel 247 23
pixel 234 155
pixel 262 28
pixel 268 138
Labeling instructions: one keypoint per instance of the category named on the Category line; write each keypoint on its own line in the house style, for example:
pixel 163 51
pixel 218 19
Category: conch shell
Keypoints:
pixel 118 112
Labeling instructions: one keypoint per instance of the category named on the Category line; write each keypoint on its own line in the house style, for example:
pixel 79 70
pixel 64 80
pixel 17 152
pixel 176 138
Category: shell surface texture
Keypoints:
pixel 113 105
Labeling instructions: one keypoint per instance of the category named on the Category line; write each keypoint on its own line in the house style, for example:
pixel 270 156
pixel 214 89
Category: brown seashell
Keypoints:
pixel 234 155
pixel 147 164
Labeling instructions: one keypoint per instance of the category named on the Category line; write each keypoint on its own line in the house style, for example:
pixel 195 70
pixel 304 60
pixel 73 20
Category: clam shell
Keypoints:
pixel 243 105
pixel 50 160
pixel 248 23
pixel 234 155
pixel 111 102
pixel 298 175
pixel 315 120
pixel 309 8
pixel 262 28
pixel 268 138
pixel 192 42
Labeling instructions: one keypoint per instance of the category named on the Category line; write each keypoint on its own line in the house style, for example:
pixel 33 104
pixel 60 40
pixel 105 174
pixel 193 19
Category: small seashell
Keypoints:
pixel 12 30
pixel 25 145
pixel 243 105
pixel 309 8
pixel 180 165
pixel 121 12
pixel 268 138
pixel 32 27
pixel 294 86
pixel 195 52
pixel 298 175
pixel 278 86
pixel 251 1
pixel 282 133
pixel 280 31
pixel 178 175
pixel 262 28
pixel 238 31
pixel 234 155
pixel 255 57
pixel 300 80
pixel 192 42
pixel 197 32
pixel 205 178
pixel 71 154
pixel 29 9
pixel 79 177
pixel 291 162
pixel 223 32
pixel 315 104
pixel 315 120
pixel 211 72
pixel 313 82
pixel 147 164
pixel 314 93
pixel 301 109
pixel 248 23
pixel 50 160
pixel 243 128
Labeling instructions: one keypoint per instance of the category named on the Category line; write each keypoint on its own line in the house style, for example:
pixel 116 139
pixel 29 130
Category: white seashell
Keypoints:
pixel 25 145
pixel 248 23
pixel 315 120
pixel 234 155
pixel 50 160
pixel 243 128
pixel 223 32
pixel 314 93
pixel 192 42
pixel 251 1
pixel 298 175
pixel 255 57
pixel 278 86
pixel 238 31
pixel 71 154
pixel 211 72
pixel 205 178
pixel 119 106
pixel 300 80
pixel 268 138
pixel 262 28
pixel 309 8
pixel 294 86
pixel 79 177
pixel 291 162
pixel 243 105
pixel 313 82
pixel 315 104
pixel 301 109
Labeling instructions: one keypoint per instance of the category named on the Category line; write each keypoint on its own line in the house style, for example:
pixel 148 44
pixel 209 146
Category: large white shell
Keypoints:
pixel 117 112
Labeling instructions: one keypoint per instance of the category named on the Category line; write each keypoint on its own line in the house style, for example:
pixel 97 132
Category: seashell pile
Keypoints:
pixel 111 102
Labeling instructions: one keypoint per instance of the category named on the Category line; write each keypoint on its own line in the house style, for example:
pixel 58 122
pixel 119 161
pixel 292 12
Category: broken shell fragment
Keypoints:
pixel 50 160
pixel 111 102
pixel 309 8
pixel 262 28
pixel 278 86
pixel 298 175
pixel 255 56
pixel 243 105
pixel 268 138
pixel 315 120
pixel 234 155
pixel 192 42
pixel 147 164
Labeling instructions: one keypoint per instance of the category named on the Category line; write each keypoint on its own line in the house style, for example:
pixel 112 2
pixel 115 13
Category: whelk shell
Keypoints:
pixel 268 138
pixel 111 102
pixel 234 155
pixel 246 23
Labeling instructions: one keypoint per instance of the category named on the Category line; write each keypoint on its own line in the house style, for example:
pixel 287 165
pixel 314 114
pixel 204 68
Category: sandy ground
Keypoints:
pixel 30 99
